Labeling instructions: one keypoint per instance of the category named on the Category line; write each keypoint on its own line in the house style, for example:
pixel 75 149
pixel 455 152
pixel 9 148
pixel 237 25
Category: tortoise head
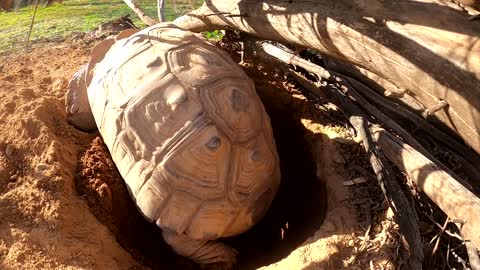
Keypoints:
pixel 77 107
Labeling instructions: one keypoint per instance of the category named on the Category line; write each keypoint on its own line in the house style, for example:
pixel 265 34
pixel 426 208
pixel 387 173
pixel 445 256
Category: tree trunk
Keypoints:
pixel 6 5
pixel 470 3
pixel 424 47
pixel 461 205
pixel 161 10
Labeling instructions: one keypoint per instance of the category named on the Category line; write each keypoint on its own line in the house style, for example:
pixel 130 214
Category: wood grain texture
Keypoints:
pixel 446 192
pixel 424 47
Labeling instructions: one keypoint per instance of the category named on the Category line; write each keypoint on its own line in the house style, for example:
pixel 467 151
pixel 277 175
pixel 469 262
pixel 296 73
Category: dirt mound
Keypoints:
pixel 45 224
pixel 99 182
pixel 64 205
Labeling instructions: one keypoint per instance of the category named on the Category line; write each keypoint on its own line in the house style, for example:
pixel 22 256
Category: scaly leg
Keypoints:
pixel 207 253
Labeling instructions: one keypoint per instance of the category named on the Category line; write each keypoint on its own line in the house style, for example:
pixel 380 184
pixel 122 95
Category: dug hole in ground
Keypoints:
pixel 63 205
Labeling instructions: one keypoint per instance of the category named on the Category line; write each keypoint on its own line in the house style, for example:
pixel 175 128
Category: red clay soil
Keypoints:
pixel 44 223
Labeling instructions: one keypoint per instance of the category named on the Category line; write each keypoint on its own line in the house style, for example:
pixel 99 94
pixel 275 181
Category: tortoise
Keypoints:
pixel 187 132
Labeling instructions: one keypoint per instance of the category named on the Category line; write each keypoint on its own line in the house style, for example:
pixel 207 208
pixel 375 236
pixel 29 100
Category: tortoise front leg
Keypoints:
pixel 211 253
pixel 77 107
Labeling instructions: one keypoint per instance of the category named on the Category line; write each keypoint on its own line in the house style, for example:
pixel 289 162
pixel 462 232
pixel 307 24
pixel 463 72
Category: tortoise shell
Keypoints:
pixel 186 130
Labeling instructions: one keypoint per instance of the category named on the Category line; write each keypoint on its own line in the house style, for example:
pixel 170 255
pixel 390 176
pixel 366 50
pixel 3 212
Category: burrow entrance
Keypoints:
pixel 296 213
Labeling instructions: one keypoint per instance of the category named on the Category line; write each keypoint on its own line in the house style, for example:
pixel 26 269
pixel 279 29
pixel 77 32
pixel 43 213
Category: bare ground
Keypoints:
pixel 64 206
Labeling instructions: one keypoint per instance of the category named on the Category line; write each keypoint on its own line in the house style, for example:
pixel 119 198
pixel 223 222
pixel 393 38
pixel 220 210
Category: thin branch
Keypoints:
pixel 455 235
pixel 404 213
pixel 421 124
pixel 429 176
pixel 452 197
pixel 31 24
pixel 140 13
pixel 438 236
pixel 290 58
pixel 405 114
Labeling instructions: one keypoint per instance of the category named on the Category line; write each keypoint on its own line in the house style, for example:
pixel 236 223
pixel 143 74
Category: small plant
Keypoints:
pixel 215 35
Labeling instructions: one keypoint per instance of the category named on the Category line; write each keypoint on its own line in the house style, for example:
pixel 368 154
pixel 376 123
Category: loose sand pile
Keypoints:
pixel 64 206
pixel 44 222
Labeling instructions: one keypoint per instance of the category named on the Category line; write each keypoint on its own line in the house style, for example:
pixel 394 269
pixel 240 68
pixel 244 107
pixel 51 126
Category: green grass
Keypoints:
pixel 72 16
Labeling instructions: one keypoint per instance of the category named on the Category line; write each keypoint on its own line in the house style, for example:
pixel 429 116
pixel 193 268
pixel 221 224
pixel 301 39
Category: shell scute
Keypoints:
pixel 186 130
pixel 196 166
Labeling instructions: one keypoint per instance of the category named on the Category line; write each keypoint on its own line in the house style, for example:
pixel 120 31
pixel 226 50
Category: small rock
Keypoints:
pixel 351 243
pixel 9 150
pixel 41 167
pixel 13 177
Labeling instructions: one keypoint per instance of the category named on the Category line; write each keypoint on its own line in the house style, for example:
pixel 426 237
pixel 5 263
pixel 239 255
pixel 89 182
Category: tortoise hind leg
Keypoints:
pixel 78 109
pixel 211 253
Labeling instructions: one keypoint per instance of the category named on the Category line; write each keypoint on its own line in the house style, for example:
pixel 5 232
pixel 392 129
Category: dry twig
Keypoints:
pixel 420 123
pixel 404 213
pixel 140 13
pixel 430 175
pixel 31 24
pixel 290 58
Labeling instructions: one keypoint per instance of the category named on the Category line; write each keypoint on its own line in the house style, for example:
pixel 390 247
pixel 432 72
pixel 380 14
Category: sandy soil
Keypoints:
pixel 45 223
pixel 64 206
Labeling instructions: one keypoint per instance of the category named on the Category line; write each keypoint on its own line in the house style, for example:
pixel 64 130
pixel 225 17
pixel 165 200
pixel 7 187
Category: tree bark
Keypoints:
pixel 161 10
pixel 6 5
pixel 424 47
pixel 454 199
pixel 475 4
pixel 405 214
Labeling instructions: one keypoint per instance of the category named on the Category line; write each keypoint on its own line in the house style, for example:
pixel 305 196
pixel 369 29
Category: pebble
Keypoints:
pixel 41 167
pixel 9 150
pixel 14 177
